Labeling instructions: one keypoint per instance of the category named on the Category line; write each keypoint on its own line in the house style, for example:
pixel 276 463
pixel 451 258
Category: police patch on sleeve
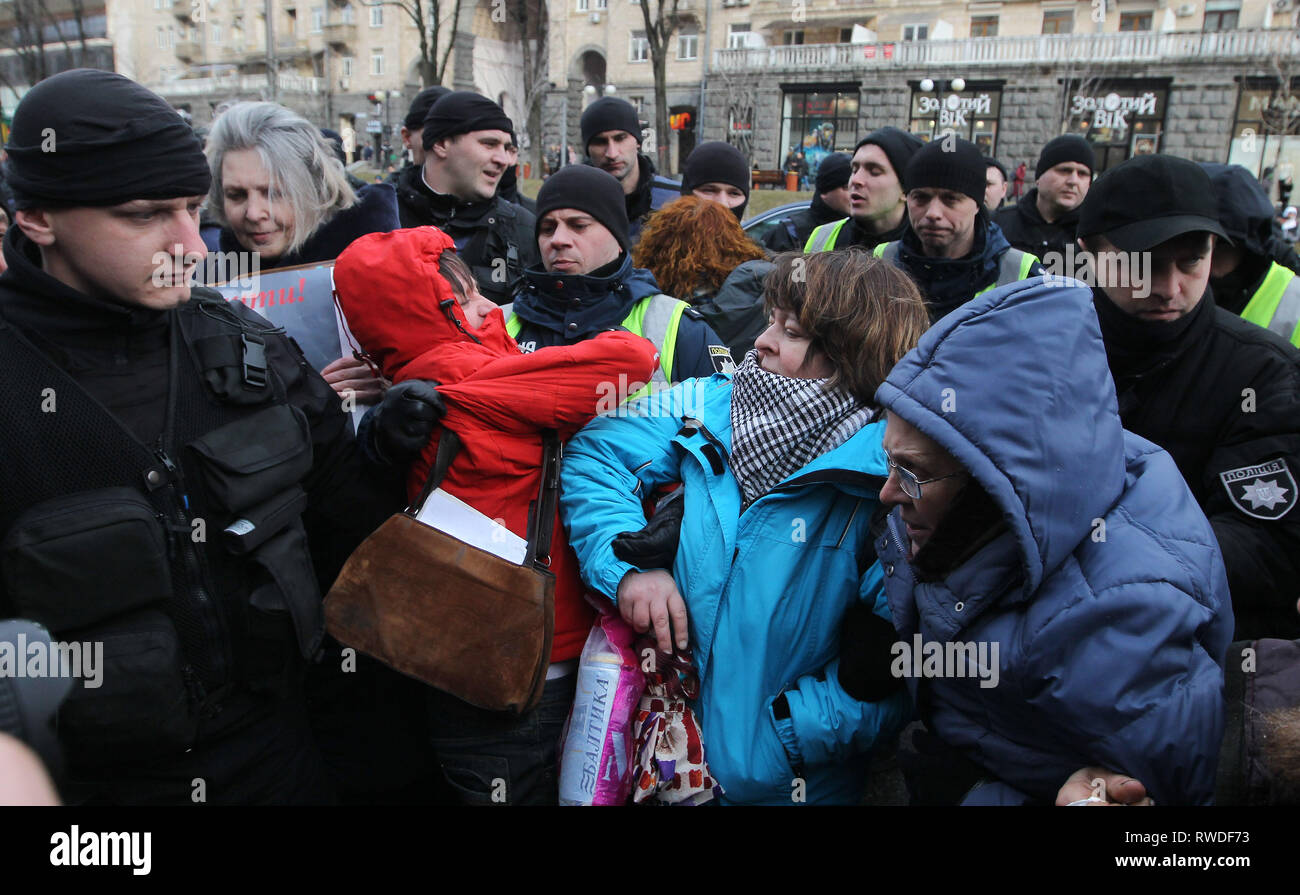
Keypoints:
pixel 1265 491
pixel 721 357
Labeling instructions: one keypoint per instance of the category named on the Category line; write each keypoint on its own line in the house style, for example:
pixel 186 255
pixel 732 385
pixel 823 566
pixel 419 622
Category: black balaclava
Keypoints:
pixel 717 162
pixel 93 138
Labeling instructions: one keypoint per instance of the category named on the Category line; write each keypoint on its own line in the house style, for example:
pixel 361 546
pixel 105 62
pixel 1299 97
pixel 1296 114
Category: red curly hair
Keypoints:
pixel 692 244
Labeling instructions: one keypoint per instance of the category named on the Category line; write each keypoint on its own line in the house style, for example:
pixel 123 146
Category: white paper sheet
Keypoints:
pixel 460 520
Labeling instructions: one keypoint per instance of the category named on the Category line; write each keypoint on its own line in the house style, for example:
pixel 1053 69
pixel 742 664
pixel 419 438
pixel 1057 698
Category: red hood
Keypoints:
pixel 389 287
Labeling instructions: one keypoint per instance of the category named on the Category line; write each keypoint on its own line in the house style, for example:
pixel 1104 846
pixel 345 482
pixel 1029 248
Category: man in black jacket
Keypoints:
pixel 467 143
pixel 611 135
pixel 877 207
pixel 165 454
pixel 830 203
pixel 1044 221
pixel 1220 394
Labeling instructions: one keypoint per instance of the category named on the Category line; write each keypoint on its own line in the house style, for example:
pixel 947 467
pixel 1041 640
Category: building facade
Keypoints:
pixel 1213 80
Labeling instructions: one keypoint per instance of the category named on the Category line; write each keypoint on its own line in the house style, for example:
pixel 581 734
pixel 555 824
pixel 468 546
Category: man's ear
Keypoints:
pixel 442 146
pixel 35 222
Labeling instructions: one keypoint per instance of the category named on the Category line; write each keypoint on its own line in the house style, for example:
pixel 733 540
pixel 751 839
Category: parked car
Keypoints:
pixel 760 224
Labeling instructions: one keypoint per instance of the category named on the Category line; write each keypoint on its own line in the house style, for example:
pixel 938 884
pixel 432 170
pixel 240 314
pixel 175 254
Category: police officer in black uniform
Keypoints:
pixel 1222 395
pixel 164 453
pixel 467 143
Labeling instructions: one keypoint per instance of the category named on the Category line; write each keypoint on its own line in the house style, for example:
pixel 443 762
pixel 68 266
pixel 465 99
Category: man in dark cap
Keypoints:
pixel 161 447
pixel 1044 221
pixel 611 134
pixel 718 172
pixel 1254 275
pixel 951 248
pixel 830 203
pixel 876 204
pixel 413 128
pixel 1222 395
pixel 468 144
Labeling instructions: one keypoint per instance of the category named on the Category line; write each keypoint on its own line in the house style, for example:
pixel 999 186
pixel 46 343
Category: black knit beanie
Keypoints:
pixel 1065 148
pixel 897 145
pixel 93 138
pixel 833 172
pixel 464 112
pixel 948 163
pixel 421 105
pixel 609 113
pixel 587 189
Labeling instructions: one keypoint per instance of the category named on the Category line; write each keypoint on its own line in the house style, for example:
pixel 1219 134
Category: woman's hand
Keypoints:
pixel 651 599
pixel 348 373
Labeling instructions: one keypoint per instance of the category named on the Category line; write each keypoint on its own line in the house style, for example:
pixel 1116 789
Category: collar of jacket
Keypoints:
pixel 948 283
pixel 34 301
pixel 1027 208
pixel 1135 346
pixel 578 305
pixel 859 237
pixel 940 609
pixel 439 208
pixel 640 201
pixel 375 211
pixel 822 213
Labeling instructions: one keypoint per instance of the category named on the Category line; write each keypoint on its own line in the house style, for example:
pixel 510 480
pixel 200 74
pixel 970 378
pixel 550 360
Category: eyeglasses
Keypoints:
pixel 908 481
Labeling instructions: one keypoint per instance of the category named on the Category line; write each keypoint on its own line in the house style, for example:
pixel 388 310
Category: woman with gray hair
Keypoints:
pixel 278 189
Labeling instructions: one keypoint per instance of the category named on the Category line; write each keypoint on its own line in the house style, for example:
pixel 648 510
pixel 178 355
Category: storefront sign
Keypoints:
pixel 1113 110
pixel 952 111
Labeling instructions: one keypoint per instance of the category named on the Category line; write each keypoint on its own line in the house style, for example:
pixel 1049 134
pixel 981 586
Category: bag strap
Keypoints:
pixel 448 447
pixel 541 524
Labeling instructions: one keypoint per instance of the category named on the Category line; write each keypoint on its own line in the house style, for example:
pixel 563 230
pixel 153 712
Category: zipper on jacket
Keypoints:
pixel 196 569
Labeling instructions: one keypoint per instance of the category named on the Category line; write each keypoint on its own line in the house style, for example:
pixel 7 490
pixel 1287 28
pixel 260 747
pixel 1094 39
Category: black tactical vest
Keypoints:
pixel 186 559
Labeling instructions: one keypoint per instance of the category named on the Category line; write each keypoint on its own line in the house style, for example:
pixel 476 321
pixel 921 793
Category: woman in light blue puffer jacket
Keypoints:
pixel 782 466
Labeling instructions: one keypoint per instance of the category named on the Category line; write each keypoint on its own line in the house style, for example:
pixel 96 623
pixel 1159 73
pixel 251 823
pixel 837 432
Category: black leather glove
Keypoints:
pixel 655 546
pixel 865 655
pixel 405 420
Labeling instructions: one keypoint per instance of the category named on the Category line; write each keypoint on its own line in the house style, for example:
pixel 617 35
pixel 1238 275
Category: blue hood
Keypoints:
pixel 1048 445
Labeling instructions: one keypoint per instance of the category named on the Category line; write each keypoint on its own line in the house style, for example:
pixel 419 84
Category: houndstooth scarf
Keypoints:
pixel 780 424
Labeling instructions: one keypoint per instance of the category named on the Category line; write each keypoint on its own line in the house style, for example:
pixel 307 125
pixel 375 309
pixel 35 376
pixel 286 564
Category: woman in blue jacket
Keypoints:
pixel 1065 556
pixel 781 466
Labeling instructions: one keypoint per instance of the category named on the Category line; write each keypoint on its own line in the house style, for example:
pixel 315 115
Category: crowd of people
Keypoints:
pixel 1004 493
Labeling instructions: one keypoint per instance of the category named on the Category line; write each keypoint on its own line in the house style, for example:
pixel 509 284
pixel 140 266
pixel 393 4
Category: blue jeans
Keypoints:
pixel 493 758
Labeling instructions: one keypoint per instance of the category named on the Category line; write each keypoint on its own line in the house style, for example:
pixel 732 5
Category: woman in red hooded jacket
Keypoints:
pixel 414 307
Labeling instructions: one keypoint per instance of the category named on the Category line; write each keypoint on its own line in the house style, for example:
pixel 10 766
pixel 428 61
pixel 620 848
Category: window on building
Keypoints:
pixel 819 122
pixel 791 38
pixel 916 32
pixel 600 4
pixel 1120 117
pixel 688 43
pixel 349 15
pixel 160 38
pixel 376 17
pixel 1135 21
pixel 846 35
pixel 346 67
pixel 972 114
pixel 983 26
pixel 157 4
pixel 317 19
pixel 638 103
pixel 216 35
pixel 638 47
pixel 1220 16
pixel 1058 21
pixel 377 62
pixel 291 22
pixel 1266 129
pixel 737 36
